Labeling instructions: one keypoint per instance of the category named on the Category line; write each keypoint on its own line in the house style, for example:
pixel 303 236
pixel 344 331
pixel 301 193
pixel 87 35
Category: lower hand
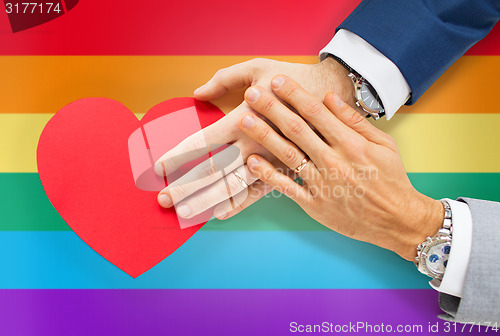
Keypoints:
pixel 201 189
pixel 354 181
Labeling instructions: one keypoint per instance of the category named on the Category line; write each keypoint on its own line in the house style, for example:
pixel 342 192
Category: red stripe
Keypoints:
pixel 196 27
pixel 490 45
pixel 176 28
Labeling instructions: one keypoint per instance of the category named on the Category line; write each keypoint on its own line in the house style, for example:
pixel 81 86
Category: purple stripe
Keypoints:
pixel 210 312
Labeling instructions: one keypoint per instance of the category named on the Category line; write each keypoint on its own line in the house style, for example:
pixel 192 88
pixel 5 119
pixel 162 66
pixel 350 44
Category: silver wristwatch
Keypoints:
pixel 366 96
pixel 433 253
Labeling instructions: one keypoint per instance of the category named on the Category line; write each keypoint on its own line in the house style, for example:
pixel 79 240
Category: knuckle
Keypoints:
pixel 257 61
pixel 357 149
pixel 170 161
pixel 268 106
pixel 345 142
pixel 391 140
pixel 328 159
pixel 292 91
pixel 294 127
pixel 313 108
pixel 220 75
pixel 255 67
pixel 264 135
pixel 290 155
pixel 178 192
pixel 266 174
pixel 355 118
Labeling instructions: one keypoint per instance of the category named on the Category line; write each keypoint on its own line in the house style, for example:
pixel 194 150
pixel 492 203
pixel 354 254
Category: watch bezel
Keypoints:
pixel 421 259
pixel 358 82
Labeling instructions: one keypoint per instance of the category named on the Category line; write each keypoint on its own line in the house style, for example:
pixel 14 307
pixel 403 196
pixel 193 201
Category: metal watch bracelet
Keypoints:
pixel 443 236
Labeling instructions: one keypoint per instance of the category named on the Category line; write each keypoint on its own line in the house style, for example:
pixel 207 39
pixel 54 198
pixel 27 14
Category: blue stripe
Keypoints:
pixel 216 260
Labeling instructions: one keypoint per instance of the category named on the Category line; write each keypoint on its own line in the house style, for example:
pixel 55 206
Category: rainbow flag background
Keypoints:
pixel 256 273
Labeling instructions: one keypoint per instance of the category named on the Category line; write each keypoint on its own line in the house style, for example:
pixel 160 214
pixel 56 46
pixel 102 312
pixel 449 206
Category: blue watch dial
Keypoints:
pixel 437 258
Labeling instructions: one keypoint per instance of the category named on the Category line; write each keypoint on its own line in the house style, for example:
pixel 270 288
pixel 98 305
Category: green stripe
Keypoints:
pixel 25 207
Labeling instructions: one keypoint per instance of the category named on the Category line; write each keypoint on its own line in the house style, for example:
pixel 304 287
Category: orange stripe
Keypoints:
pixel 467 87
pixel 44 84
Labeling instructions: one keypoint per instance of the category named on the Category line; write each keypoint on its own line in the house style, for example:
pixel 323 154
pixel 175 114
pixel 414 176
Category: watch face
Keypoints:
pixel 370 98
pixel 437 258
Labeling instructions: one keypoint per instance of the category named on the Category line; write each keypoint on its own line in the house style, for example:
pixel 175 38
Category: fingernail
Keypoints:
pixel 252 94
pixel 165 201
pixel 183 211
pixel 159 169
pixel 253 163
pixel 337 101
pixel 277 82
pixel 248 121
pixel 198 90
pixel 220 213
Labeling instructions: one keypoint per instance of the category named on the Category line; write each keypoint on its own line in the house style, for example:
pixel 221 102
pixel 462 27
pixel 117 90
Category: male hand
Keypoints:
pixel 354 179
pixel 213 185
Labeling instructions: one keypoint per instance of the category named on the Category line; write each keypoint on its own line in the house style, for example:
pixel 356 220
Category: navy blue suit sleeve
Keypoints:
pixel 423 37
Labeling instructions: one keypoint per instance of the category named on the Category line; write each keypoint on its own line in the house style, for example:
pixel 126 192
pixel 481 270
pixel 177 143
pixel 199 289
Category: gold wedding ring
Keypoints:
pixel 240 179
pixel 302 164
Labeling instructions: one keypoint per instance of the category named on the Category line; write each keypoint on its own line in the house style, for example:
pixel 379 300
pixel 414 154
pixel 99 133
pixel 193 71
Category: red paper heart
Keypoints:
pixel 28 14
pixel 84 166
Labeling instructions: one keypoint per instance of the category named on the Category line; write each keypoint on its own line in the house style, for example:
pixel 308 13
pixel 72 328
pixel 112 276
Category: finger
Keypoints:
pixel 311 109
pixel 286 151
pixel 234 77
pixel 241 201
pixel 353 119
pixel 204 174
pixel 218 192
pixel 195 146
pixel 289 123
pixel 268 174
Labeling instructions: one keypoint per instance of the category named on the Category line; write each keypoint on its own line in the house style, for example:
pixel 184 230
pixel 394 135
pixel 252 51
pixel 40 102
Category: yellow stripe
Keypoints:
pixel 446 142
pixel 19 135
pixel 44 84
pixel 427 142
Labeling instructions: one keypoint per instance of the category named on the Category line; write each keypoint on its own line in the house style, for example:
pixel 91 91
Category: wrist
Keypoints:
pixel 424 219
pixel 343 85
pixel 334 77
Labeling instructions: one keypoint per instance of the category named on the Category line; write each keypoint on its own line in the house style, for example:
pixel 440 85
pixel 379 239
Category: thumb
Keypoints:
pixel 234 77
pixel 353 119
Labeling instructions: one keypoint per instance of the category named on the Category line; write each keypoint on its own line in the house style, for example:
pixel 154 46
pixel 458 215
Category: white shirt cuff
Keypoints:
pixel 378 70
pixel 461 243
